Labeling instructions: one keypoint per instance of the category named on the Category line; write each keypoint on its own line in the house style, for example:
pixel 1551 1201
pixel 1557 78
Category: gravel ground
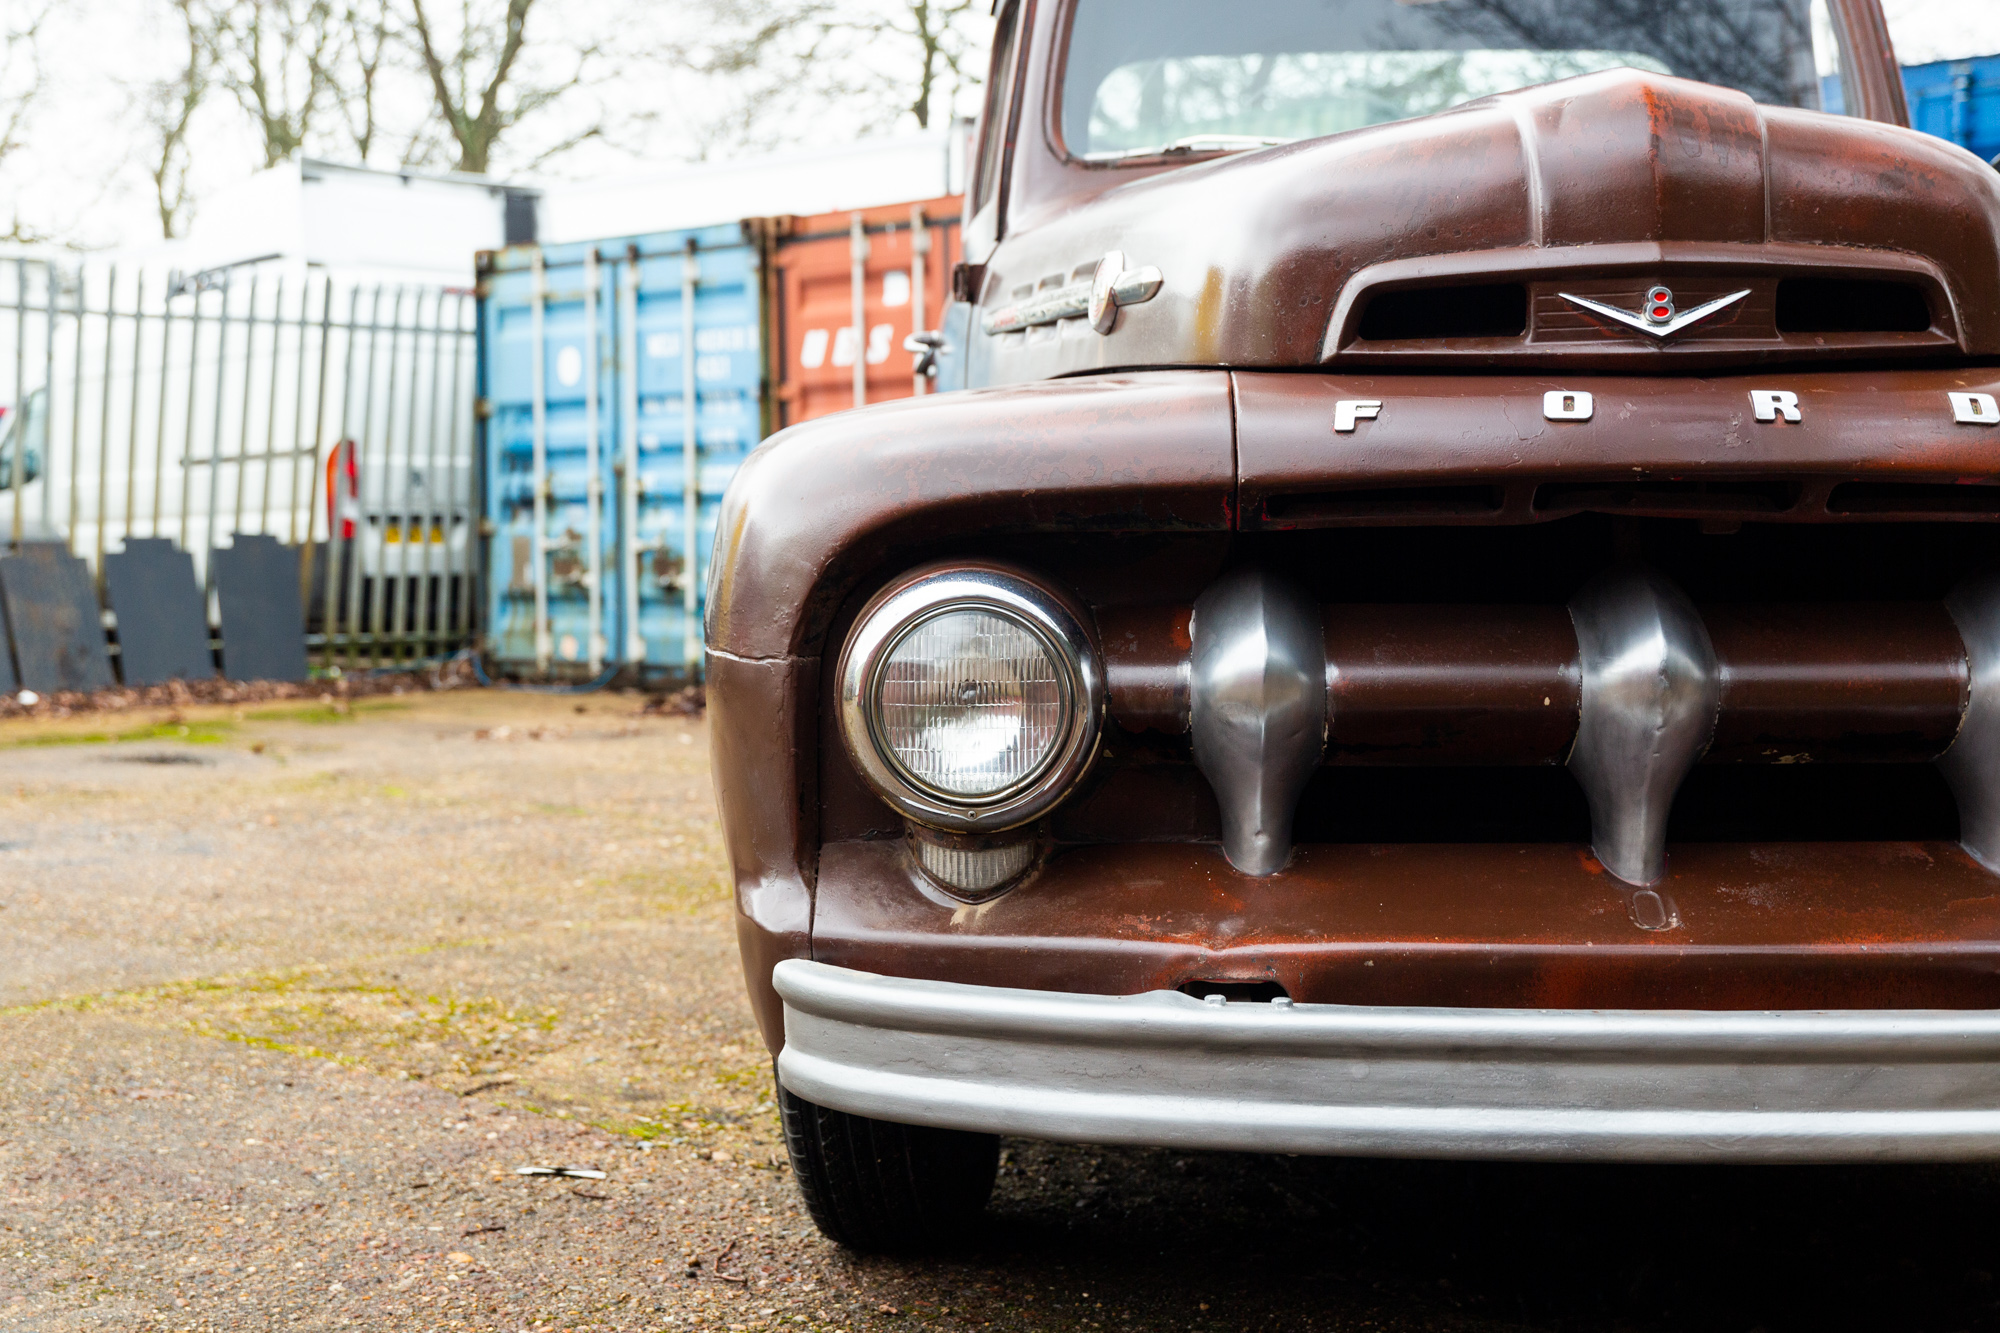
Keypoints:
pixel 287 992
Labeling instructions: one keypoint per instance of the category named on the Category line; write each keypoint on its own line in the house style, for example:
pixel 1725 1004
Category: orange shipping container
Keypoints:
pixel 821 359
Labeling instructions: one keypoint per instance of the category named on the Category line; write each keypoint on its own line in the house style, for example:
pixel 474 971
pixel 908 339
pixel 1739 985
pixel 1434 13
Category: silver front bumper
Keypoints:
pixel 1169 1070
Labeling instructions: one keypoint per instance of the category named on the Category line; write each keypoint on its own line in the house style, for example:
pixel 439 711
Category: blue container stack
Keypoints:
pixel 648 558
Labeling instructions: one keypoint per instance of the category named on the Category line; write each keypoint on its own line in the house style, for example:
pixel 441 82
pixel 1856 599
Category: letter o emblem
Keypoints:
pixel 1567 405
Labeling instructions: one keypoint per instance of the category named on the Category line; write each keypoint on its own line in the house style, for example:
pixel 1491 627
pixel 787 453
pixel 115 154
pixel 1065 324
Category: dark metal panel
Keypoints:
pixel 1469 684
pixel 263 625
pixel 1841 683
pixel 162 624
pixel 53 619
pixel 1146 652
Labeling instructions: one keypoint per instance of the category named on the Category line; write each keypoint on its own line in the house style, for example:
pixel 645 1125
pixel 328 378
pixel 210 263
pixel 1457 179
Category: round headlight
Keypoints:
pixel 971 703
pixel 970 698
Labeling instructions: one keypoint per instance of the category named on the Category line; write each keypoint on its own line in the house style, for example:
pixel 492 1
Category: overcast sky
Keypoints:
pixel 82 177
pixel 1927 30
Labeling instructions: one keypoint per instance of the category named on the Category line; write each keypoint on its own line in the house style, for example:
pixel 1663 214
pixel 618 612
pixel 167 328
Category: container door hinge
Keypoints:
pixel 966 280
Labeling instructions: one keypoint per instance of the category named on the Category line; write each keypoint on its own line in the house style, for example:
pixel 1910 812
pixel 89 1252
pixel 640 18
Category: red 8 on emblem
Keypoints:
pixel 1659 305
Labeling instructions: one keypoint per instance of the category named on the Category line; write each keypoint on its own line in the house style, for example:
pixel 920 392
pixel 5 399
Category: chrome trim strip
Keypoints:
pixel 1972 763
pixel 1069 302
pixel 1651 691
pixel 1113 290
pixel 928 592
pixel 1257 708
pixel 1168 1070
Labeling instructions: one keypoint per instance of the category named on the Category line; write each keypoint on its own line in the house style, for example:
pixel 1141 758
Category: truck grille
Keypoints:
pixel 1454 685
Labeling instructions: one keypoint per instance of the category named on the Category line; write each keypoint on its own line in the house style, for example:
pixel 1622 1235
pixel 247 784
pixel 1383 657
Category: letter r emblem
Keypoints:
pixel 1350 410
pixel 1770 404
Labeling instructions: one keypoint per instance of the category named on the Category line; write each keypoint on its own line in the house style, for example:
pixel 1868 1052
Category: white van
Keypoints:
pixel 24 434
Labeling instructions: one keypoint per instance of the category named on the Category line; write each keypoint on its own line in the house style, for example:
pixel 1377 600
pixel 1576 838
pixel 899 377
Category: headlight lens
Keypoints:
pixel 971 703
pixel 970 697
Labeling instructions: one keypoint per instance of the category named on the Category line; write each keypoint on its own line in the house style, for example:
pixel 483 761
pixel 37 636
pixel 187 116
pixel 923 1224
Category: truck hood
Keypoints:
pixel 1460 238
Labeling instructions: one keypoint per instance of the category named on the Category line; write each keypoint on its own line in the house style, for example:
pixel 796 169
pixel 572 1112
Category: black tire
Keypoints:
pixel 884 1188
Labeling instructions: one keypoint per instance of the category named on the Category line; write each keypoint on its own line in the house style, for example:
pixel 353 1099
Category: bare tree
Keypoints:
pixel 370 34
pixel 278 58
pixel 941 41
pixel 21 75
pixel 168 108
pixel 484 88
pixel 779 62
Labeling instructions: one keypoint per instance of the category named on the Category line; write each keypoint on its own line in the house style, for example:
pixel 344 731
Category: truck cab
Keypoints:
pixel 1453 614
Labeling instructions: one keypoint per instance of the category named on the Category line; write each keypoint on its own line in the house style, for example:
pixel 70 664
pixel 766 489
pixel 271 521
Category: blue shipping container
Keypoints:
pixel 608 567
pixel 1957 100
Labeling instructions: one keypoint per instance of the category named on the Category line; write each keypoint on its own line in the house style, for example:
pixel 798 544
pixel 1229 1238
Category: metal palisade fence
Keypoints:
pixel 331 414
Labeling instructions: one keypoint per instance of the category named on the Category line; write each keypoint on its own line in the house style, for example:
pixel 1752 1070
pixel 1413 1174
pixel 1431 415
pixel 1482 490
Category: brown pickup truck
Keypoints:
pixel 1451 612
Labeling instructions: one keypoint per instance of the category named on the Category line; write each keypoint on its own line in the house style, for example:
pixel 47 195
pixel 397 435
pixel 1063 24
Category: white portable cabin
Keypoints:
pixel 316 325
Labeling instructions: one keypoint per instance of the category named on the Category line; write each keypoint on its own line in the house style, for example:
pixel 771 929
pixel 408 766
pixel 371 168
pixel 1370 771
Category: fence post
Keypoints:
pixel 464 618
pixel 215 435
pixel 103 416
pixel 356 441
pixel 75 407
pixel 50 289
pixel 19 467
pixel 187 432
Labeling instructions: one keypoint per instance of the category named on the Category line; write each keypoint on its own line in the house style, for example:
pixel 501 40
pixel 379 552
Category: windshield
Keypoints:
pixel 1149 76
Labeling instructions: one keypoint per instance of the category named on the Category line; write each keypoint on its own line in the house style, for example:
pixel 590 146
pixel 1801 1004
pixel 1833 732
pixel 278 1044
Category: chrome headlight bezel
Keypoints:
pixel 923 595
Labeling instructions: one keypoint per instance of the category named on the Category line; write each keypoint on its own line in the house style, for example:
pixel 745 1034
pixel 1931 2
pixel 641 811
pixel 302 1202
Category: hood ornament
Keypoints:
pixel 1658 317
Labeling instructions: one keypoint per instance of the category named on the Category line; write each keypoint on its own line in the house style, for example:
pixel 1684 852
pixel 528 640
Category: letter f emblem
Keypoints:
pixel 1350 410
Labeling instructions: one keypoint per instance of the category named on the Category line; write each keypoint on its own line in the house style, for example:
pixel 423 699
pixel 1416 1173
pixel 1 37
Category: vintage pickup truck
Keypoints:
pixel 1451 612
